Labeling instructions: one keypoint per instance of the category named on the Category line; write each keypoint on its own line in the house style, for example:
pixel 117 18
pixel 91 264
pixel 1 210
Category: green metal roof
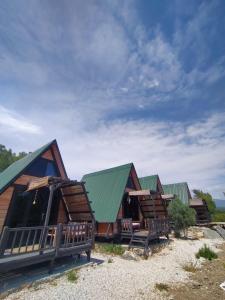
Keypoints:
pixel 149 182
pixel 14 170
pixel 180 189
pixel 106 190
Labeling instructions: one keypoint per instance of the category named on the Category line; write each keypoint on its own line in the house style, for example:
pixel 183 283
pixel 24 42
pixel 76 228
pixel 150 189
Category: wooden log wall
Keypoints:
pixel 5 199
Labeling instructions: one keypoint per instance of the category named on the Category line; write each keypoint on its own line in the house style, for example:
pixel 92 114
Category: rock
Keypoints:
pixel 211 234
pixel 130 256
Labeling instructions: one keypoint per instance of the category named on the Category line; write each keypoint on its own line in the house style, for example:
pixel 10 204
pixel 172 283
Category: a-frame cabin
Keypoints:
pixel 43 214
pixel 108 193
pixel 116 196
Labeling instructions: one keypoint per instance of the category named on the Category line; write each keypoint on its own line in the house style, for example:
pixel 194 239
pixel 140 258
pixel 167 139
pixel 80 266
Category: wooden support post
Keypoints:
pixel 4 240
pixel 51 188
pixel 45 229
pixel 58 238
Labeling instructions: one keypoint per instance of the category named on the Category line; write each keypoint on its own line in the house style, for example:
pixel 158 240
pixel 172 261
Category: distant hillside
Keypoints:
pixel 220 203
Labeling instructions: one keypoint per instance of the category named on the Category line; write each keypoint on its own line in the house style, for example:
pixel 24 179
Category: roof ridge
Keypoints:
pixel 109 170
pixel 155 175
pixel 183 182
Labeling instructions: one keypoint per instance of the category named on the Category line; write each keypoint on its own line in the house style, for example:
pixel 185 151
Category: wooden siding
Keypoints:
pixel 48 155
pixel 59 161
pixel 5 199
pixel 62 218
pixel 104 229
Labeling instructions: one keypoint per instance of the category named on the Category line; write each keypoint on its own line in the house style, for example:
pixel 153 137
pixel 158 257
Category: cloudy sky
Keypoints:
pixel 115 82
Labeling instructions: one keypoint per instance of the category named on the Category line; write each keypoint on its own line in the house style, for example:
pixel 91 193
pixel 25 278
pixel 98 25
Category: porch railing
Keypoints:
pixel 155 227
pixel 23 240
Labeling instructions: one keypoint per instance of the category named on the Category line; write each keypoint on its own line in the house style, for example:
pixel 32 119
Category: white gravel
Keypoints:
pixel 123 279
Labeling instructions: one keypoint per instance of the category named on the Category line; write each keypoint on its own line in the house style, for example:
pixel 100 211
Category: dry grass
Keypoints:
pixel 109 248
pixel 162 287
pixel 190 267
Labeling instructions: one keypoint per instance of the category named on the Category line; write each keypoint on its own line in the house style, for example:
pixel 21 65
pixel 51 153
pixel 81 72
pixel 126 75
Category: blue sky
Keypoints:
pixel 118 81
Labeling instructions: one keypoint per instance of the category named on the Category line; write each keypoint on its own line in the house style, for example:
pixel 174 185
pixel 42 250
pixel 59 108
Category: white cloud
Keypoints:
pixel 11 121
pixel 154 147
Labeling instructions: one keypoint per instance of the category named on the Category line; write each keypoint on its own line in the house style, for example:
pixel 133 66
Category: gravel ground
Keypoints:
pixel 123 279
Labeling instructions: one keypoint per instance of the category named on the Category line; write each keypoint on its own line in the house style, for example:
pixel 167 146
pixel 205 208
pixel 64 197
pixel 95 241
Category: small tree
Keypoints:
pixel 181 215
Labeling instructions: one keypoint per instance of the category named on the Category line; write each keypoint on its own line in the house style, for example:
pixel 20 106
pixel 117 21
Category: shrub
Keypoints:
pixel 110 260
pixel 219 216
pixel 206 252
pixel 181 215
pixel 110 248
pixel 161 287
pixel 72 276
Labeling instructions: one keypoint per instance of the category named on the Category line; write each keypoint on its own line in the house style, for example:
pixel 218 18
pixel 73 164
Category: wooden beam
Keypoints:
pixel 73 194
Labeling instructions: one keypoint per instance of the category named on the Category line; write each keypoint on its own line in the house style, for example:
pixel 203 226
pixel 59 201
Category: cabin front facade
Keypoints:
pixel 43 214
pixel 116 196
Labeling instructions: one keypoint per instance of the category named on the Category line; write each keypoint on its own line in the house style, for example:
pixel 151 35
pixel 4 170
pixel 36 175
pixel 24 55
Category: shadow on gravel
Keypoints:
pixel 14 280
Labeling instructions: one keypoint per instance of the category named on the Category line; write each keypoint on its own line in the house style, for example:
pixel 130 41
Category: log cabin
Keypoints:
pixel 38 200
pixel 116 196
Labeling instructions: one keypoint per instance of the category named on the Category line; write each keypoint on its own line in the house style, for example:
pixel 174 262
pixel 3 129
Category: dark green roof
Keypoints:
pixel 106 189
pixel 149 182
pixel 180 189
pixel 14 170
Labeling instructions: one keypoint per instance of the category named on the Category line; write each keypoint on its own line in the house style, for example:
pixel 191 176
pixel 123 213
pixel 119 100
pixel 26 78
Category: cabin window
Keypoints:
pixel 42 167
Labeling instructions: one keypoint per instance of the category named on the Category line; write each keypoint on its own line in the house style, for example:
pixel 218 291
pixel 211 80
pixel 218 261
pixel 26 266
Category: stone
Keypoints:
pixel 129 255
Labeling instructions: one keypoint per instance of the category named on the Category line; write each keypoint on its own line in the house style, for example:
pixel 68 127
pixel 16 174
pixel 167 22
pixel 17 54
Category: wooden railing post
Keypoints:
pixel 58 238
pixel 4 240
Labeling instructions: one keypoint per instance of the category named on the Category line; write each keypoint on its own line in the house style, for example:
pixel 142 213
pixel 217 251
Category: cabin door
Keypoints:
pixel 131 208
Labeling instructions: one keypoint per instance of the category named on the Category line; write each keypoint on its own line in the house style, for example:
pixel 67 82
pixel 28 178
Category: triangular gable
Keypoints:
pixel 106 189
pixel 152 183
pixel 15 170
pixel 180 189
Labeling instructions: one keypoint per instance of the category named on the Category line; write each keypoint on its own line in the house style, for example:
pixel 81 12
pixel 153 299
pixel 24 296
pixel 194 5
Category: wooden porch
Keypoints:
pixel 141 237
pixel 21 247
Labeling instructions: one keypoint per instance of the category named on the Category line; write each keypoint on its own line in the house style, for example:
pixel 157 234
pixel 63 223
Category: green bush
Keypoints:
pixel 181 215
pixel 72 276
pixel 206 252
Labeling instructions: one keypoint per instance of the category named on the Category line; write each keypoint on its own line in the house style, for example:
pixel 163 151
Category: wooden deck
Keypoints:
pixel 25 246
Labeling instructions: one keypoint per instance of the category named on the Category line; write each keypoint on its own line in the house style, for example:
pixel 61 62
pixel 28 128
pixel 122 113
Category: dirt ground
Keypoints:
pixel 204 284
